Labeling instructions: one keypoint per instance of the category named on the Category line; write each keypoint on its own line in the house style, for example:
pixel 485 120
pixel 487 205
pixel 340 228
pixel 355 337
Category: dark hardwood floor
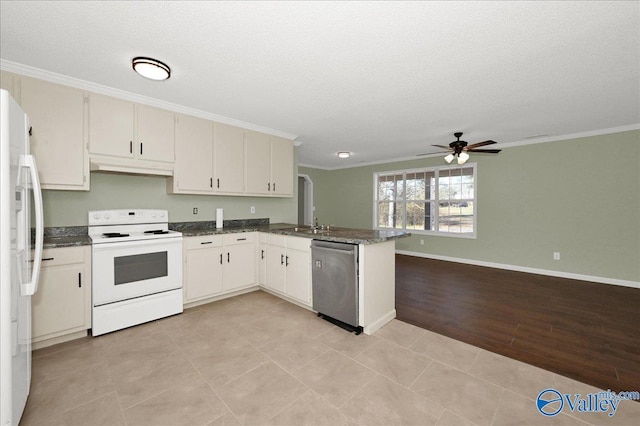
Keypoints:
pixel 586 331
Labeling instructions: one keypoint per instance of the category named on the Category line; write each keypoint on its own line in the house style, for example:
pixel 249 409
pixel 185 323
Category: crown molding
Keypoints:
pixel 52 77
pixel 530 141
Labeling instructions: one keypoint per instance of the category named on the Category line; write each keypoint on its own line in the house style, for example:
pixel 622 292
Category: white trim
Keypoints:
pixel 436 170
pixel 52 77
pixel 547 272
pixel 530 141
pixel 308 202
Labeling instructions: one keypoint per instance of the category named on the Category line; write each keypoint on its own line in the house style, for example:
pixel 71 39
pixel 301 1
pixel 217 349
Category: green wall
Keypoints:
pixel 579 197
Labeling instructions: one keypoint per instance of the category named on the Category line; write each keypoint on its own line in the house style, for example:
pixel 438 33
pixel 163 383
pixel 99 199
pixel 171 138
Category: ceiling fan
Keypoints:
pixel 460 148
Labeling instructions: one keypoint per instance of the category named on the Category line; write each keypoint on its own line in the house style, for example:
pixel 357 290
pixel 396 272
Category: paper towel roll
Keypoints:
pixel 219 219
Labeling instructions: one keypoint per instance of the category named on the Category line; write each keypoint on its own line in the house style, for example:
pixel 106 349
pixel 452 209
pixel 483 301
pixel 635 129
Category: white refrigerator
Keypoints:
pixel 18 270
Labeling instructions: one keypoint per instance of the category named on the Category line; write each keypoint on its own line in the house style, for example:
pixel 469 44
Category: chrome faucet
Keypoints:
pixel 315 226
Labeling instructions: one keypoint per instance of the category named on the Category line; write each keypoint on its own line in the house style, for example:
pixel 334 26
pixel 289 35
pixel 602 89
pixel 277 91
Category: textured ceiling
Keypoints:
pixel 384 80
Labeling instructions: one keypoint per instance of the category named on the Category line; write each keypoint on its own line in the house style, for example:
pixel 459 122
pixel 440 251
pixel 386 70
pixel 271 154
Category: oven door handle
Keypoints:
pixel 158 242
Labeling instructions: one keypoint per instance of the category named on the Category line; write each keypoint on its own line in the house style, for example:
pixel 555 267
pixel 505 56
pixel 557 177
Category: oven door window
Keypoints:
pixel 140 267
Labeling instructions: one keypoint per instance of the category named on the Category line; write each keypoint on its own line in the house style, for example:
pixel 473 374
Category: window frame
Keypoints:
pixel 436 170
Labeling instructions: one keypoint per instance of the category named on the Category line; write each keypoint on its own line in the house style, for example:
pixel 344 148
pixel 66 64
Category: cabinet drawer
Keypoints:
pixel 63 256
pixel 276 240
pixel 299 243
pixel 203 241
pixel 239 238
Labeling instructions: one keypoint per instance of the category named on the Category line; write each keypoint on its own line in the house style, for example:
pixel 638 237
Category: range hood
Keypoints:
pixel 132 167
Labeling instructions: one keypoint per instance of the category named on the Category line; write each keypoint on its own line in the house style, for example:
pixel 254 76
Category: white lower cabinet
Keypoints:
pixel 239 260
pixel 218 264
pixel 287 266
pixel 202 272
pixel 62 304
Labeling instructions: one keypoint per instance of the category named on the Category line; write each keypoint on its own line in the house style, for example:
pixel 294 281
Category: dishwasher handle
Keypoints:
pixel 333 250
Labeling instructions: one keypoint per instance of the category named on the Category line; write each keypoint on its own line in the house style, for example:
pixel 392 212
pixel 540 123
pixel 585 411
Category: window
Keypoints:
pixel 435 200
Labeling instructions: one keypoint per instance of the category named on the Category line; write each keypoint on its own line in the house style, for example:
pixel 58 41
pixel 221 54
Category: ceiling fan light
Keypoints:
pixel 449 158
pixel 151 68
pixel 463 157
pixel 344 154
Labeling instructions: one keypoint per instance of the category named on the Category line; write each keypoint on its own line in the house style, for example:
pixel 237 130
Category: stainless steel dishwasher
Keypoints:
pixel 335 283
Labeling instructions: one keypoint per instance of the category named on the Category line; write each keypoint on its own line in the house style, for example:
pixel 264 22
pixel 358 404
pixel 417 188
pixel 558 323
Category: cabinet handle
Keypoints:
pixel 130 147
pixel 218 182
pixel 269 186
pixel 210 182
pixel 287 262
pixel 274 186
pixel 262 254
pixel 47 258
pixel 241 239
pixel 282 259
pixel 207 242
pixel 79 279
pixel 140 148
pixel 228 257
pixel 221 258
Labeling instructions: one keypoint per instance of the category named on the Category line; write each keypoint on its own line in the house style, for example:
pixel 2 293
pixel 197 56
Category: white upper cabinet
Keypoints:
pixel 228 159
pixel 155 134
pixel 193 170
pixel 258 161
pixel 111 127
pixel 121 131
pixel 57 118
pixel 281 166
pixel 269 162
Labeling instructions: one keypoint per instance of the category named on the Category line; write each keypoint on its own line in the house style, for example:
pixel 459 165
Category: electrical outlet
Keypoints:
pixel 421 242
pixel 556 255
pixel 195 210
pixel 253 209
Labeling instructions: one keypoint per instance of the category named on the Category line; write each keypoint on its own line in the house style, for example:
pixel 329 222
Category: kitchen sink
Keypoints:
pixel 308 230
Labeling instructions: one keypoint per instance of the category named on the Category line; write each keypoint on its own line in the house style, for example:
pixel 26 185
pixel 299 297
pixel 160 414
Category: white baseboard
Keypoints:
pixel 380 322
pixel 559 274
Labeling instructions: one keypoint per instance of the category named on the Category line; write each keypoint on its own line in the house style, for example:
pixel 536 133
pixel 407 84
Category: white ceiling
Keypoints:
pixel 384 80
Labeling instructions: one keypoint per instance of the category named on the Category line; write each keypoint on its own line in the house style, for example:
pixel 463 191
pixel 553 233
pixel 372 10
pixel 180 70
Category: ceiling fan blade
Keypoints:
pixel 444 147
pixel 488 151
pixel 479 144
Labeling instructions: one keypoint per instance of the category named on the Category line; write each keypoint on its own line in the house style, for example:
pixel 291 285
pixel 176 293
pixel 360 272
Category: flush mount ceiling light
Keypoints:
pixel 151 68
pixel 344 154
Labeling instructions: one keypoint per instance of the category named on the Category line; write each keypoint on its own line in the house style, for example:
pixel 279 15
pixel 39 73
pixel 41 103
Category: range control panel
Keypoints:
pixel 123 217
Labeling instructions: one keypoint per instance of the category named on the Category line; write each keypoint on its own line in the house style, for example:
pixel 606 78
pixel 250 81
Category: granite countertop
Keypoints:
pixel 70 236
pixel 64 236
pixel 340 235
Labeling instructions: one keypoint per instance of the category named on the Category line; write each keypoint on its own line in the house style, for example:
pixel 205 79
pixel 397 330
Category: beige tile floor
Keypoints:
pixel 256 359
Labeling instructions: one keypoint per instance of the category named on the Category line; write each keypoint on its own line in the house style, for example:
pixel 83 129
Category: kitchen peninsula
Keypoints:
pixel 283 261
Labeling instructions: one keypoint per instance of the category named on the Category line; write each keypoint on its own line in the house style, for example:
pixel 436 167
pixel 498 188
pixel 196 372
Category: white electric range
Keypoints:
pixel 136 268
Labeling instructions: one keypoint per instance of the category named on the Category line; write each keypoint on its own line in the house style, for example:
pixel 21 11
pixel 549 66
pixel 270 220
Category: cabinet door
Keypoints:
pixel 281 166
pixel 203 276
pixel 60 304
pixel 298 277
pixel 228 158
pixel 239 266
pixel 258 162
pixel 275 268
pixel 193 169
pixel 111 126
pixel 56 115
pixel 155 134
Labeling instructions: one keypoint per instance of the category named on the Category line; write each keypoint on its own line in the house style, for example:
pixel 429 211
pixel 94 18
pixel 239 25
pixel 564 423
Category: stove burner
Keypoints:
pixel 156 232
pixel 114 235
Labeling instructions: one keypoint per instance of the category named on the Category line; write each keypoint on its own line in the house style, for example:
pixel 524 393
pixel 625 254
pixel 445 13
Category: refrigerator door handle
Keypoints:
pixel 29 162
